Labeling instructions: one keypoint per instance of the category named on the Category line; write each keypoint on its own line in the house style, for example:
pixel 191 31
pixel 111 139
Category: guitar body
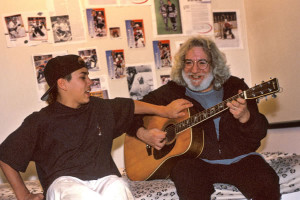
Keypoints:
pixel 146 163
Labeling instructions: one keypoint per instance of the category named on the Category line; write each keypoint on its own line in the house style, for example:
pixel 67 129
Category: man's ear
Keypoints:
pixel 61 84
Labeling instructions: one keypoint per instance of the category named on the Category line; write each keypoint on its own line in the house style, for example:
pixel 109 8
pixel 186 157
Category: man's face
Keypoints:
pixel 198 78
pixel 78 89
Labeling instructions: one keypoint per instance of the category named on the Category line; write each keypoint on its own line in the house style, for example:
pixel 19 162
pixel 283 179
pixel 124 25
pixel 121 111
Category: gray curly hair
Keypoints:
pixel 217 61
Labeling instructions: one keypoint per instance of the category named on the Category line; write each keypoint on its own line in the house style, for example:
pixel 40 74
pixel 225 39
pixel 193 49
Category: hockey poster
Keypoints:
pixel 96 22
pixel 115 63
pixel 90 57
pixel 135 33
pixel 162 54
pixel 167 17
pixel 61 28
pixel 227 29
pixel 39 62
pixel 27 29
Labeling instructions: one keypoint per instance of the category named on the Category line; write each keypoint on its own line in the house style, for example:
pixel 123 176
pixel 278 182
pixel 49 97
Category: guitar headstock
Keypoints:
pixel 263 89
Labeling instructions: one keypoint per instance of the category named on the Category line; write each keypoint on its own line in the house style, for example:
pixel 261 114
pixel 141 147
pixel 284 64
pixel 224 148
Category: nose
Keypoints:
pixel 195 67
pixel 90 82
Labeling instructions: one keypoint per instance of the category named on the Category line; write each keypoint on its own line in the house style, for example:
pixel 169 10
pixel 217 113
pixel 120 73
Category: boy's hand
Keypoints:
pixel 175 108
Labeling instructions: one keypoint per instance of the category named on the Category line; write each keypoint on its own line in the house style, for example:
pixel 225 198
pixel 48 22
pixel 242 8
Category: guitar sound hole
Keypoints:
pixel 158 154
pixel 170 143
pixel 170 135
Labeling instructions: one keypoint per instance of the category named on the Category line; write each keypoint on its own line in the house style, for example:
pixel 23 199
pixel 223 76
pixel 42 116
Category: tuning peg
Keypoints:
pixel 274 95
pixel 257 100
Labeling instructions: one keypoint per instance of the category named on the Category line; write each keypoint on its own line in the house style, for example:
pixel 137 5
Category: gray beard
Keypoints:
pixel 203 86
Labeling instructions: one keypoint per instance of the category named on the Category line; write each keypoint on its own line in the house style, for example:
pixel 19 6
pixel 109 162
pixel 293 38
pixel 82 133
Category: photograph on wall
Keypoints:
pixel 162 54
pixel 96 89
pixel 196 17
pixel 37 28
pixel 140 80
pixel 135 33
pixel 15 27
pixel 39 63
pixel 90 57
pixel 27 29
pixel 74 21
pixel 164 79
pixel 226 28
pixel 115 63
pixel 96 22
pixel 61 28
pixel 115 32
pixel 167 17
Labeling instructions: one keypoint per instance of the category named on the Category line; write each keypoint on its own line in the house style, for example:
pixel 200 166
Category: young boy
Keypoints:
pixel 70 140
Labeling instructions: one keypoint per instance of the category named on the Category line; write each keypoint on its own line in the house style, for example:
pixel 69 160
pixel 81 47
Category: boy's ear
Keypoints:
pixel 61 83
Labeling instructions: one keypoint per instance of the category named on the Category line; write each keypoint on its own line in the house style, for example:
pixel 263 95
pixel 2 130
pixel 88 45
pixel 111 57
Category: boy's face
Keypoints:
pixel 78 89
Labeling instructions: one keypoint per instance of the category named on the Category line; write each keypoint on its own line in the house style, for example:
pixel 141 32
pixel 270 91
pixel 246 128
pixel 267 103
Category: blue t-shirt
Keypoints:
pixel 208 100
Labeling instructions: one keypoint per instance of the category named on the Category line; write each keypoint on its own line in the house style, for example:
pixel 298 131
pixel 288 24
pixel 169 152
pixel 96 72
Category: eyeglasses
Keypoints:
pixel 201 63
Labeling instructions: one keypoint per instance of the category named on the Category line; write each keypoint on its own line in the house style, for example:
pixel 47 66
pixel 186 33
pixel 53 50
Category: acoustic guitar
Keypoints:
pixel 142 162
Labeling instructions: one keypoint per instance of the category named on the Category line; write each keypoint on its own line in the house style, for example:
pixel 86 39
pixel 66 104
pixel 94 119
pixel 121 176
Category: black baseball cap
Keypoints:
pixel 59 67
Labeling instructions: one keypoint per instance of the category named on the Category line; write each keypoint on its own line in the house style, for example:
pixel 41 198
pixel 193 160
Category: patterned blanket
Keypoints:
pixel 286 165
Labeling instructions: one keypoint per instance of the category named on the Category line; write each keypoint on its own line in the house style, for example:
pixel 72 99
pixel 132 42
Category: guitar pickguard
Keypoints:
pixel 158 154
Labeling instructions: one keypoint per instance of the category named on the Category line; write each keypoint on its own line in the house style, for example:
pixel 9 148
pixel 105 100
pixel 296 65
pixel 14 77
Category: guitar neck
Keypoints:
pixel 205 114
pixel 263 89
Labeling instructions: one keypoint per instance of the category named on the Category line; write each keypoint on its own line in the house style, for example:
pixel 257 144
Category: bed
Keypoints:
pixel 287 166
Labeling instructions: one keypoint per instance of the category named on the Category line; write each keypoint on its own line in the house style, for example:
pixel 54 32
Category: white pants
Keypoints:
pixel 107 188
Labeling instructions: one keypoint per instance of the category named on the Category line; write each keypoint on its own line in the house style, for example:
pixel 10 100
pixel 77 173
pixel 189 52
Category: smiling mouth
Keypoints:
pixel 196 77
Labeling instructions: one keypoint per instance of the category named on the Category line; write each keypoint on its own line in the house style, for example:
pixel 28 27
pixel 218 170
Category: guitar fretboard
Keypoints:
pixel 263 89
pixel 204 115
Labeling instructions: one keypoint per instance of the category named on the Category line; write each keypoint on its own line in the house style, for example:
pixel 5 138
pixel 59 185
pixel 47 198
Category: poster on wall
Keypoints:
pixel 167 17
pixel 135 33
pixel 226 26
pixel 96 22
pixel 140 80
pixel 196 17
pixel 39 62
pixel 162 54
pixel 97 88
pixel 15 29
pixel 71 20
pixel 37 29
pixel 184 17
pixel 115 63
pixel 90 57
pixel 115 32
pixel 61 28
pixel 27 29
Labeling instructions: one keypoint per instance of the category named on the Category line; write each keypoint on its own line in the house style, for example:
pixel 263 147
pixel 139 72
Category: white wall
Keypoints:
pixel 274 49
pixel 282 139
